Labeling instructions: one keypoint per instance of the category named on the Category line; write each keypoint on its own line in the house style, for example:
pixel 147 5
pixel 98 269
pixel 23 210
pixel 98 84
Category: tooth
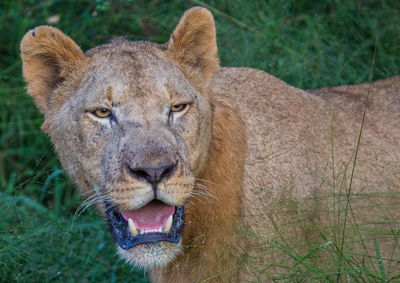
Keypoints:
pixel 168 224
pixel 132 227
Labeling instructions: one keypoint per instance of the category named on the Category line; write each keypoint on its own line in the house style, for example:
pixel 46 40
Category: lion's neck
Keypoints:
pixel 212 218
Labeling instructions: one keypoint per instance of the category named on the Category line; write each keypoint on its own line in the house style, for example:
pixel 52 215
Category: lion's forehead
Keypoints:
pixel 131 61
pixel 140 76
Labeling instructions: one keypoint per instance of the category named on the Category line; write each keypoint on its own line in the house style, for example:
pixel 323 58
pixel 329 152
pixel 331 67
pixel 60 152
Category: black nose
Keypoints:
pixel 154 174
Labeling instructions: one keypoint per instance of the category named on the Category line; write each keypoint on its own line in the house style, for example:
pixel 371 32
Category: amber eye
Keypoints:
pixel 102 112
pixel 178 107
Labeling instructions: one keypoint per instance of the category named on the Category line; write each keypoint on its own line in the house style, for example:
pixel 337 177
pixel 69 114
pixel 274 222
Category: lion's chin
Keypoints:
pixel 150 256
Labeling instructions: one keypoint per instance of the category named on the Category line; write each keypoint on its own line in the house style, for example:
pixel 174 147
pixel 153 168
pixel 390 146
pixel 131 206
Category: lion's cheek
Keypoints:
pixel 92 157
pixel 197 138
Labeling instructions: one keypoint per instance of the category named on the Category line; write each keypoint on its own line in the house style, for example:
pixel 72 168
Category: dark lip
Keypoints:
pixel 120 229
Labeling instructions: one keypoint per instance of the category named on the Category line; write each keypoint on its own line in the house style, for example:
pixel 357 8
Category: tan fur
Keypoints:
pixel 259 149
pixel 195 32
pixel 49 57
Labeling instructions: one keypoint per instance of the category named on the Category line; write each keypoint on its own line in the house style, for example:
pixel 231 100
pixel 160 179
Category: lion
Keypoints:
pixel 195 166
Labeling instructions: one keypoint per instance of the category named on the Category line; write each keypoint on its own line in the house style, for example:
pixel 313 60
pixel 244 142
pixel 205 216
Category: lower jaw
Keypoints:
pixel 151 256
pixel 120 230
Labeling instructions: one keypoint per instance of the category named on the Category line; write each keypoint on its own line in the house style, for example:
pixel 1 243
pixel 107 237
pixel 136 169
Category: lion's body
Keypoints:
pixel 259 161
pixel 290 132
pixel 287 182
pixel 293 137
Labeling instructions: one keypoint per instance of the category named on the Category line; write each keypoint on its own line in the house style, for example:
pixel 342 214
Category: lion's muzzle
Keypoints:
pixel 143 208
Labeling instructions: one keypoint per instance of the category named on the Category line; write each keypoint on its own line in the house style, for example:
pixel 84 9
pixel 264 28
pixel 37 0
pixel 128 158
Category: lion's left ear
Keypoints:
pixel 48 58
pixel 193 45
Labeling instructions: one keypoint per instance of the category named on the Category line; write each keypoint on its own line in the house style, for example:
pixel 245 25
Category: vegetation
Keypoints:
pixel 308 44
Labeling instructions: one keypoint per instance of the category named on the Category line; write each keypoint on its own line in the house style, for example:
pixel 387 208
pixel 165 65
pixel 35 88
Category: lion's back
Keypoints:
pixel 290 131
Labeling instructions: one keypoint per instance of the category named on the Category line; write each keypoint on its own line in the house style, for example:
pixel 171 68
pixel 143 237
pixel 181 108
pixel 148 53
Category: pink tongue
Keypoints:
pixel 151 216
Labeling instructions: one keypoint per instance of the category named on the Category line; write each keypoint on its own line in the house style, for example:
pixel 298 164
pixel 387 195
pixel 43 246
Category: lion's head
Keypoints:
pixel 131 123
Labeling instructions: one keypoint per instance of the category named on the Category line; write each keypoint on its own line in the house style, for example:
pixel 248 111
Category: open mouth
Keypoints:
pixel 154 222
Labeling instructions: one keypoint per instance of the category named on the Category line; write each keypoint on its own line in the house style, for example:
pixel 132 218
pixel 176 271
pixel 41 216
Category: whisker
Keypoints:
pixel 204 180
pixel 198 199
pixel 207 194
pixel 91 199
pixel 201 196
pixel 203 187
pixel 97 197
pixel 96 189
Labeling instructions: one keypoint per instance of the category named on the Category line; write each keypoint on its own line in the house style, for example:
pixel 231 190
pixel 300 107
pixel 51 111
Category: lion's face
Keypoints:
pixel 140 129
pixel 131 126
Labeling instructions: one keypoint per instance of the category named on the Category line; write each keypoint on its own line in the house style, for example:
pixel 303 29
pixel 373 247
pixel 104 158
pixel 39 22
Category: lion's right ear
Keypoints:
pixel 48 57
pixel 193 44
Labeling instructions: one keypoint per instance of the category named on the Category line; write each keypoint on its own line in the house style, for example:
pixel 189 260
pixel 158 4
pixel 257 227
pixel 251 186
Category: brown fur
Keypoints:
pixel 262 148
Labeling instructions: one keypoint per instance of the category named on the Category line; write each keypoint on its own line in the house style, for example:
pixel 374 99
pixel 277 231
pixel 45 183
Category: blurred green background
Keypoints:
pixel 308 44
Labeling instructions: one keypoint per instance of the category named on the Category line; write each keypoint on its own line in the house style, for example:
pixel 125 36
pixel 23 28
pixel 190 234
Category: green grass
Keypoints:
pixel 36 245
pixel 308 44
